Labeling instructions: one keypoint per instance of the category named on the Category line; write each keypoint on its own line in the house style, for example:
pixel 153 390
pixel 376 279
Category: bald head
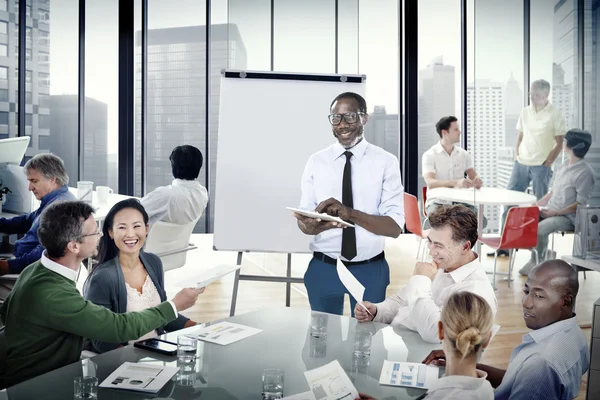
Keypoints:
pixel 549 294
pixel 560 275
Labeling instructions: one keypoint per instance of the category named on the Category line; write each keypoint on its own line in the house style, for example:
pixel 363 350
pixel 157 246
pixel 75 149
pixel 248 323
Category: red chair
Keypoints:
pixel 520 232
pixel 413 221
pixel 424 200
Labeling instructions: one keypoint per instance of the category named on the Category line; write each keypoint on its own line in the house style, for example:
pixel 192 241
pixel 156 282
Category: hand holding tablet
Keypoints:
pixel 321 216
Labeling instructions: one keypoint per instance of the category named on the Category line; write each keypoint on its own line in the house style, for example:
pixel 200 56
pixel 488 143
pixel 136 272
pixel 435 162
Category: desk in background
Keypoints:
pixel 103 208
pixel 235 371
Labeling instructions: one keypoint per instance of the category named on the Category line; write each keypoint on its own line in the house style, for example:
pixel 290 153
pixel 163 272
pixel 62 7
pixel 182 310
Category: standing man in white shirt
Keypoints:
pixel 445 164
pixel 455 268
pixel 361 184
pixel 185 199
pixel 541 129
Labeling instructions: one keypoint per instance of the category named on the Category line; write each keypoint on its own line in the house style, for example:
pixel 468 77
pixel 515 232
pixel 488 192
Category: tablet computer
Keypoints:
pixel 322 216
pixel 158 346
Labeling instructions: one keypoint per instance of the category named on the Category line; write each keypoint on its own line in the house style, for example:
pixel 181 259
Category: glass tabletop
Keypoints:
pixel 235 371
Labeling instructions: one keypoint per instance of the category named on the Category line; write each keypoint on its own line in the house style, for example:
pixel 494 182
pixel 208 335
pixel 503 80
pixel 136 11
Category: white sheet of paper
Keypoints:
pixel 225 333
pixel 140 377
pixel 495 329
pixel 330 381
pixel 300 396
pixel 355 288
pixel 207 277
pixel 408 374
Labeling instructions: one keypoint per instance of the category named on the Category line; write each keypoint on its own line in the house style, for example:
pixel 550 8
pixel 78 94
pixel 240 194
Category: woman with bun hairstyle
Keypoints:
pixel 464 329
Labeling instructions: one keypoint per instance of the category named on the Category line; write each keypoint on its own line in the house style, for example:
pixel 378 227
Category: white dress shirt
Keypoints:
pixel 376 190
pixel 445 166
pixel 180 203
pixel 539 131
pixel 418 305
pixel 457 387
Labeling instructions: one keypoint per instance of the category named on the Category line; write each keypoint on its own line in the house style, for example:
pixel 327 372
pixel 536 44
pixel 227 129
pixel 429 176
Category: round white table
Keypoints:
pixel 486 196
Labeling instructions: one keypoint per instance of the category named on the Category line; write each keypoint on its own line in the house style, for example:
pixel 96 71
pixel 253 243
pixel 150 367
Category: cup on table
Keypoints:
pixel 318 347
pixel 86 387
pixel 187 345
pixel 318 324
pixel 187 373
pixel 362 343
pixel 272 384
pixel 104 193
pixel 85 191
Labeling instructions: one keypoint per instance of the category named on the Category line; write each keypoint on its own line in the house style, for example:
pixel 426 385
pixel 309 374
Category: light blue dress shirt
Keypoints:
pixel 376 189
pixel 548 364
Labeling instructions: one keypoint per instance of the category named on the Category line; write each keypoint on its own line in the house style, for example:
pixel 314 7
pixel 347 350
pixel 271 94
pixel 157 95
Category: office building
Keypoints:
pixel 485 121
pixel 382 130
pixel 176 82
pixel 506 161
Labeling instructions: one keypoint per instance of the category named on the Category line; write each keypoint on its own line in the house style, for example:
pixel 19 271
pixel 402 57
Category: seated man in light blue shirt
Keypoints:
pixel 554 356
pixel 361 184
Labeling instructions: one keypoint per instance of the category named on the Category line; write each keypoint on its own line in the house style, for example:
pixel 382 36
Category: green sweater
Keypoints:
pixel 47 320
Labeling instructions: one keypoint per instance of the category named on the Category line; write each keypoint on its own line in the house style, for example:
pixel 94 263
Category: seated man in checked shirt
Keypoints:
pixel 455 268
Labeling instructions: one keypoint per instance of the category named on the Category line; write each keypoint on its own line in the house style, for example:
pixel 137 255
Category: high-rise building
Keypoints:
pixel 565 60
pixel 176 83
pixel 562 95
pixel 37 74
pixel 506 161
pixel 382 130
pixel 436 100
pixel 485 121
pixel 63 139
pixel 514 105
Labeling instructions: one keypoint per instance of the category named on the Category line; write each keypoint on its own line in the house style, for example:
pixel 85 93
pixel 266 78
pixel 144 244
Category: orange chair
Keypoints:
pixel 520 232
pixel 424 200
pixel 413 222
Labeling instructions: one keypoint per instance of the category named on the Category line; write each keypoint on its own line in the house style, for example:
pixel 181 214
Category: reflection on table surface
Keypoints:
pixel 234 371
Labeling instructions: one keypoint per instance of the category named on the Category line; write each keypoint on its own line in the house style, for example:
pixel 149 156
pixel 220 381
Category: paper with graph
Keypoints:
pixel 408 374
pixel 225 333
pixel 330 382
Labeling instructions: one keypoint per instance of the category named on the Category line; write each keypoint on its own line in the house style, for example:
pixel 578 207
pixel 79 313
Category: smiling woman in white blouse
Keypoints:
pixel 127 278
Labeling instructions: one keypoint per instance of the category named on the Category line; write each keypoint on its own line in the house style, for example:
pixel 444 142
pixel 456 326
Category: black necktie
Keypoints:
pixel 348 234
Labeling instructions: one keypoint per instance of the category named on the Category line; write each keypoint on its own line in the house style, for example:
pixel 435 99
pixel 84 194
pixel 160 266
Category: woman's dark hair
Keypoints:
pixel 107 249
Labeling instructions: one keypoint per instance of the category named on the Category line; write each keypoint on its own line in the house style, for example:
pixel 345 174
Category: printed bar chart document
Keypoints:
pixel 139 377
pixel 330 382
pixel 225 333
pixel 408 374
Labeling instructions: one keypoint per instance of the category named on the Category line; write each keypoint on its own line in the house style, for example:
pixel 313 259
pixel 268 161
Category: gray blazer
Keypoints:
pixel 106 287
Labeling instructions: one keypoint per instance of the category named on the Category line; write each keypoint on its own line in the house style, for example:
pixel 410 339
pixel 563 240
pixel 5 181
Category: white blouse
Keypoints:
pixel 137 301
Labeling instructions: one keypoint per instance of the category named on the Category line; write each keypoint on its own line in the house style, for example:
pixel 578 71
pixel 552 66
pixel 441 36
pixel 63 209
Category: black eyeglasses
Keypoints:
pixel 351 118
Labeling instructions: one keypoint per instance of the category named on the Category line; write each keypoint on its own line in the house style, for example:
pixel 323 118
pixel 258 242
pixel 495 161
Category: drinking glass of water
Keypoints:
pixel 86 387
pixel 362 343
pixel 318 324
pixel 272 384
pixel 186 348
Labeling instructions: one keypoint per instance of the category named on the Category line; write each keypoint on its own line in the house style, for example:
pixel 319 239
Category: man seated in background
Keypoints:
pixel 184 200
pixel 48 182
pixel 46 317
pixel 554 356
pixel 455 268
pixel 445 164
pixel 573 184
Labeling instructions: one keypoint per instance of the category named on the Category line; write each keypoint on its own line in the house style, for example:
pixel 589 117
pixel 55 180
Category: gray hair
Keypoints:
pixel 543 85
pixel 62 222
pixel 50 166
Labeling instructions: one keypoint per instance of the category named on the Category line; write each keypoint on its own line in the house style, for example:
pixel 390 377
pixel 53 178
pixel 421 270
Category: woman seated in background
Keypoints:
pixel 465 329
pixel 127 278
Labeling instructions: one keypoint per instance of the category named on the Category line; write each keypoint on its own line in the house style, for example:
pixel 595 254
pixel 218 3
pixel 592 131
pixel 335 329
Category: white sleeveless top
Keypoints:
pixel 137 301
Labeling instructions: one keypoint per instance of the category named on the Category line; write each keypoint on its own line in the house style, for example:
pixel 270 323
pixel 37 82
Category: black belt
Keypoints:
pixel 322 257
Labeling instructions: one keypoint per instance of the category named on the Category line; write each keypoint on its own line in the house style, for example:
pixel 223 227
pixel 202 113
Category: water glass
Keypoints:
pixel 85 191
pixel 362 343
pixel 272 384
pixel 318 324
pixel 318 347
pixel 187 373
pixel 187 345
pixel 86 387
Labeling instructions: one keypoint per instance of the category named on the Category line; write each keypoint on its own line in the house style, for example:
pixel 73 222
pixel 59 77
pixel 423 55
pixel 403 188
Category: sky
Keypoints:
pixel 304 40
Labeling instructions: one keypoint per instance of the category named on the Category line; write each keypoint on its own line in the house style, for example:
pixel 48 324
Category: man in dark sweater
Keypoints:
pixel 48 182
pixel 46 317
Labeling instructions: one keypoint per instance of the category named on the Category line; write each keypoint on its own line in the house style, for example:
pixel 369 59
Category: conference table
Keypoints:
pixel 235 371
pixel 486 196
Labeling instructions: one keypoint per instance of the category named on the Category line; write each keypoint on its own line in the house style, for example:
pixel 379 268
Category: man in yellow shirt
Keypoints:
pixel 541 129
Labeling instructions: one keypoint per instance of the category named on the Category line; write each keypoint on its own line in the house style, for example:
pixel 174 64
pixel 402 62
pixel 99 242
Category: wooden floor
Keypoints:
pixel 401 255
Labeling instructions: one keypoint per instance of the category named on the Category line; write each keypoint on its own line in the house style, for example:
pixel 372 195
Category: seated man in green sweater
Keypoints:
pixel 46 317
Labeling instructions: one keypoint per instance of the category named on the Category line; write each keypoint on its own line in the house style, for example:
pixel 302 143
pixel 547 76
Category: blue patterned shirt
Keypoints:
pixel 548 364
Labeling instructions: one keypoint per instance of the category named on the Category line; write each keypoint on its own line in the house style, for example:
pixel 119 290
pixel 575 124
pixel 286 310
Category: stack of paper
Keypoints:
pixel 408 374
pixel 140 377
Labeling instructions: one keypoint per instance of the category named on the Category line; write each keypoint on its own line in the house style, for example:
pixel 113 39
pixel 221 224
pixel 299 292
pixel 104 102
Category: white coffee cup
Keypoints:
pixel 103 193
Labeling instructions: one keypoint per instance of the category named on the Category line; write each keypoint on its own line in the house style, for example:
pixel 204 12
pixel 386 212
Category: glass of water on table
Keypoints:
pixel 272 384
pixel 187 345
